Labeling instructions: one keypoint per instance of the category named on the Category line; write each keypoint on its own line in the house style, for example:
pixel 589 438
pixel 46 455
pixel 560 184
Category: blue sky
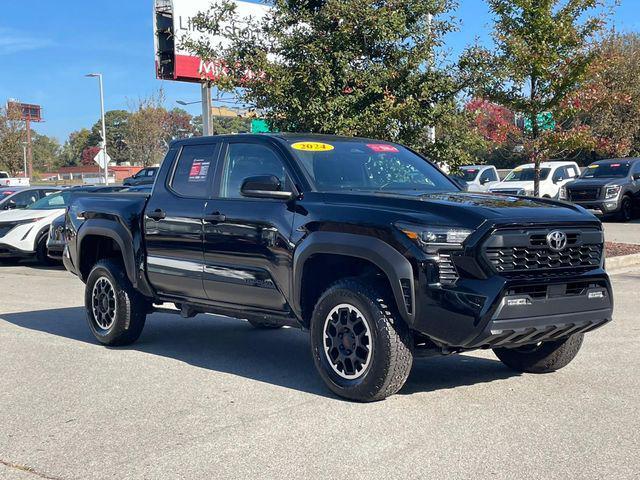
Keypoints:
pixel 47 46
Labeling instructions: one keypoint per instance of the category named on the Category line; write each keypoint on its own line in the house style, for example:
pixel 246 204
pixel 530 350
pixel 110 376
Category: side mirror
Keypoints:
pixel 264 186
pixel 484 181
pixel 11 204
pixel 636 176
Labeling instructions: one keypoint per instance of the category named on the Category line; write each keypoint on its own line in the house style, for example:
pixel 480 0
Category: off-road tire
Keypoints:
pixel 130 310
pixel 41 251
pixel 544 358
pixel 265 324
pixel 390 358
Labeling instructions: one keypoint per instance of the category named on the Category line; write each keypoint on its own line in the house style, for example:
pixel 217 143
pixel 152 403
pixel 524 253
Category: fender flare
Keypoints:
pixel 116 232
pixel 390 261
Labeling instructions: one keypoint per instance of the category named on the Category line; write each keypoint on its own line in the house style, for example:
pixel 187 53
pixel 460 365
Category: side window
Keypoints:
pixel 24 199
pixel 572 172
pixel 244 160
pixel 560 174
pixel 193 172
pixel 151 172
pixel 486 176
pixel 493 175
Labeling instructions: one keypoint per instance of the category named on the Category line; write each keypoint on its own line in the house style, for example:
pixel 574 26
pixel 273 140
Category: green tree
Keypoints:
pixel 46 152
pixel 72 149
pixel 543 49
pixel 116 127
pixel 146 130
pixel 351 67
pixel 12 134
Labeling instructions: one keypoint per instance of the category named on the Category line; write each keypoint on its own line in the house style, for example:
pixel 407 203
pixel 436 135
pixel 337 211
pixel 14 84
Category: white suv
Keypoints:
pixel 478 178
pixel 553 175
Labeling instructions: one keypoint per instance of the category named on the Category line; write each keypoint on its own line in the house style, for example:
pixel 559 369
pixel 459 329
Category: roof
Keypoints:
pixel 283 136
pixel 617 160
pixel 551 164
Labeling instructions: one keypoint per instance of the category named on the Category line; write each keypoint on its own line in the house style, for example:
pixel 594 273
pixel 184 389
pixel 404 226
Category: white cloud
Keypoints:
pixel 13 41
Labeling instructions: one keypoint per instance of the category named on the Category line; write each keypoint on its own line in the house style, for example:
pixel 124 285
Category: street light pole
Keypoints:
pixel 24 157
pixel 104 128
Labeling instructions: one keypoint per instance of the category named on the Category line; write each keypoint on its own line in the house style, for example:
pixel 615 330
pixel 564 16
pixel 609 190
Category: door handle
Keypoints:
pixel 215 218
pixel 157 215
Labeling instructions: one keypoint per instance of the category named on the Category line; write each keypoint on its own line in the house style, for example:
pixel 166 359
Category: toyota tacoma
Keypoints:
pixel 364 243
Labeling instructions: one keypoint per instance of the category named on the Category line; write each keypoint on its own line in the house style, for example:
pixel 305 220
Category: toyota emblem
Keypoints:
pixel 557 240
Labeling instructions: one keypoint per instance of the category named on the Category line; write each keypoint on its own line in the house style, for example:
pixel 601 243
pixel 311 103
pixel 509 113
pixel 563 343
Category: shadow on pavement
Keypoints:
pixel 279 357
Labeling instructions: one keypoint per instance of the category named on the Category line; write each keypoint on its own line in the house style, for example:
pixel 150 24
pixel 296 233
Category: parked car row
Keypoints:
pixel 606 187
pixel 31 218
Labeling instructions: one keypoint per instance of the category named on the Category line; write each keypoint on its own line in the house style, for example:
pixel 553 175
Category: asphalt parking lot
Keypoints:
pixel 213 398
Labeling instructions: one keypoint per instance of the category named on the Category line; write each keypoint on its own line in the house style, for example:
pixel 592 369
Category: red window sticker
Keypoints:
pixel 382 148
pixel 614 165
pixel 199 170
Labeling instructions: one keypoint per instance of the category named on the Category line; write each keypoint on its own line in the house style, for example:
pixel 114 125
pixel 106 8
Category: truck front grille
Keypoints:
pixel 526 252
pixel 584 193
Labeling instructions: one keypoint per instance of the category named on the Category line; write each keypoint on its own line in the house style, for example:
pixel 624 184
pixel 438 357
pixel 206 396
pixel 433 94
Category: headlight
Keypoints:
pixel 439 236
pixel 562 194
pixel 612 191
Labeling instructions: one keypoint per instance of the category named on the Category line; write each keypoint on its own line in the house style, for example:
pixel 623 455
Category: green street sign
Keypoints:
pixel 258 125
pixel 545 122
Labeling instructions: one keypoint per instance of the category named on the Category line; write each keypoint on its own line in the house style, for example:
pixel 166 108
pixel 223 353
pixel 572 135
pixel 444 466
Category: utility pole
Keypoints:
pixel 103 146
pixel 207 127
pixel 24 158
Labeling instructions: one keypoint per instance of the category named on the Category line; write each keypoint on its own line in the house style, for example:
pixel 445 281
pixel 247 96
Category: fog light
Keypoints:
pixel 596 295
pixel 518 302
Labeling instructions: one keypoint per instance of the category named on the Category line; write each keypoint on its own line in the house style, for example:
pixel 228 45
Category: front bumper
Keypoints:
pixel 600 207
pixel 506 312
pixel 9 251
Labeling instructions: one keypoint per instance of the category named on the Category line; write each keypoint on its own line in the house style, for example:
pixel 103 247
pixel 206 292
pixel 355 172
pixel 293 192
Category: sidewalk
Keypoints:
pixel 622 232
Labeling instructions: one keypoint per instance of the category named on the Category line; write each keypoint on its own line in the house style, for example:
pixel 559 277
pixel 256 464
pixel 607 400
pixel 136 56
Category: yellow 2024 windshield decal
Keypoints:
pixel 312 146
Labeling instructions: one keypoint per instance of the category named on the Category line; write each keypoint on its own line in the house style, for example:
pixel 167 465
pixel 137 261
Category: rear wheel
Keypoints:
pixel 544 357
pixel 116 313
pixel 361 348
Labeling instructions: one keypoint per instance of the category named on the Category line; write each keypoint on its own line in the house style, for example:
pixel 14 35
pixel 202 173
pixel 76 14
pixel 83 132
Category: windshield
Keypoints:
pixel 601 170
pixel 467 174
pixel 371 166
pixel 526 174
pixel 51 202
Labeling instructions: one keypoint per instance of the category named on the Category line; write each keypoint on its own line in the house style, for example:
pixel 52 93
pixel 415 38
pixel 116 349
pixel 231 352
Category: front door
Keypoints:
pixel 173 222
pixel 247 252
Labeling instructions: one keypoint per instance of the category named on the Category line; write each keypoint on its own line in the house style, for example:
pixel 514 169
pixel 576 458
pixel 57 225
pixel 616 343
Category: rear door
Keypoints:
pixel 173 221
pixel 247 252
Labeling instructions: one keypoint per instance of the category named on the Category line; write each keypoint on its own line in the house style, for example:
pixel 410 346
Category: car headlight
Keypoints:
pixel 434 238
pixel 612 191
pixel 562 194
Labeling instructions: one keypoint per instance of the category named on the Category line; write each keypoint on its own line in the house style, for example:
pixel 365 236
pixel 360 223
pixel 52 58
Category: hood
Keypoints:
pixel 597 182
pixel 525 185
pixel 18 215
pixel 468 209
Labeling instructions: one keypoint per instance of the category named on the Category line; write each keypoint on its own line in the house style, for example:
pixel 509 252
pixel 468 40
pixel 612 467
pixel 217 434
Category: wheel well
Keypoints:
pixel 94 248
pixel 321 270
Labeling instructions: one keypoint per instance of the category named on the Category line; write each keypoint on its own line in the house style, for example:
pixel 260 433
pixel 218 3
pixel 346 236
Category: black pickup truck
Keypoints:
pixel 362 242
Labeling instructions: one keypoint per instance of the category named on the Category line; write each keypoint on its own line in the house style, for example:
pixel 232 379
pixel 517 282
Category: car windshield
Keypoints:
pixel 602 170
pixel 368 166
pixel 526 174
pixel 467 174
pixel 51 202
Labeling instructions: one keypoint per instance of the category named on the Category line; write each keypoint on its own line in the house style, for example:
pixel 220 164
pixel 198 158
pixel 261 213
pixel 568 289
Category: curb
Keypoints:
pixel 624 261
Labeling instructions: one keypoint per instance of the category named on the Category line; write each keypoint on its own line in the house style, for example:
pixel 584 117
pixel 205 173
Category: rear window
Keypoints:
pixel 194 171
pixel 368 166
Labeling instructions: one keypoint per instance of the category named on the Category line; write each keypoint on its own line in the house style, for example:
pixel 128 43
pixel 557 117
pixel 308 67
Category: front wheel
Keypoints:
pixel 41 251
pixel 544 357
pixel 626 210
pixel 115 311
pixel 361 348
